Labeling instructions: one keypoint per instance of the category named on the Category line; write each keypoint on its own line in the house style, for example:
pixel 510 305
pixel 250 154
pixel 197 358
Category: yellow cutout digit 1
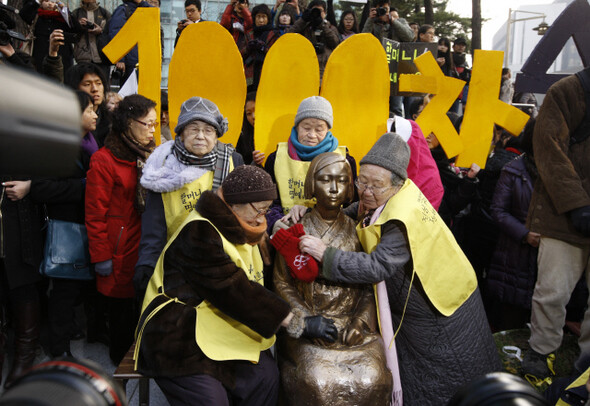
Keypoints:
pixel 142 29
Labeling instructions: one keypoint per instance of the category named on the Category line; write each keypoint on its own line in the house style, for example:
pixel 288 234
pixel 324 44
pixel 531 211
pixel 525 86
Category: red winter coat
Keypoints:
pixel 113 223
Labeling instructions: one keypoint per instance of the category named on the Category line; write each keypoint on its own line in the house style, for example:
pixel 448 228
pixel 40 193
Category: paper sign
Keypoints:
pixel 401 56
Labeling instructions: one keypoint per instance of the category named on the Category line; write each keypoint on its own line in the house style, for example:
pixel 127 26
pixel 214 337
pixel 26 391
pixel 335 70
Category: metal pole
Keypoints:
pixel 507 50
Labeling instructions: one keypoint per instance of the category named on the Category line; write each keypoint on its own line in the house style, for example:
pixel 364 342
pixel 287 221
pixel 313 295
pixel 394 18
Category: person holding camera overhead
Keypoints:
pixel 92 19
pixel 385 22
pixel 192 9
pixel 314 26
pixel 238 21
pixel 47 16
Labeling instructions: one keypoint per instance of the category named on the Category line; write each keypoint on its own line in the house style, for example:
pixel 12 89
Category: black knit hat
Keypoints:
pixel 247 184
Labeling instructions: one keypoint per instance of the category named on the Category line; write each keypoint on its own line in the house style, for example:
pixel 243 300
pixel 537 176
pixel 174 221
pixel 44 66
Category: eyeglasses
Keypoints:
pixel 372 189
pixel 194 130
pixel 259 212
pixel 148 125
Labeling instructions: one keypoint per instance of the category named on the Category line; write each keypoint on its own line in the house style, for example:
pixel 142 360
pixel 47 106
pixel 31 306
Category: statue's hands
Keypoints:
pixel 295 214
pixel 320 327
pixel 353 334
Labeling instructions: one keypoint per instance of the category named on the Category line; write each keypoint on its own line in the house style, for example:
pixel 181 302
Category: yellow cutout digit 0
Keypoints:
pixel 290 74
pixel 206 63
pixel 360 112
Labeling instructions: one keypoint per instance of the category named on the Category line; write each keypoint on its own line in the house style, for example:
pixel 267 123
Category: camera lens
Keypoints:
pixel 65 381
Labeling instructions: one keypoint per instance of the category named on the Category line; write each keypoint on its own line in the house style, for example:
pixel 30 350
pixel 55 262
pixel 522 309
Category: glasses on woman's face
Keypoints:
pixel 259 212
pixel 149 125
pixel 194 130
pixel 362 187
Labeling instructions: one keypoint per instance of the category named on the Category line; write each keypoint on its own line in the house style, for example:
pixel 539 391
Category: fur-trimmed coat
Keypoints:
pixel 196 268
pixel 564 170
pixel 112 220
pixel 163 173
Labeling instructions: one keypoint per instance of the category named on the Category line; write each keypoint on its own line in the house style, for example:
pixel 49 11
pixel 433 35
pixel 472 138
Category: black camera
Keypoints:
pixel 69 37
pixel 381 11
pixel 183 21
pixel 319 47
pixel 242 1
pixel 6 35
pixel 89 25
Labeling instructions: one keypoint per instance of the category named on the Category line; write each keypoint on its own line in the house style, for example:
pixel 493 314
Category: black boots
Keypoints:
pixel 26 338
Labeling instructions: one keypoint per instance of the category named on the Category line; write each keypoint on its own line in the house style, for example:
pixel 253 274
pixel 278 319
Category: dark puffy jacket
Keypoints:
pixel 513 268
pixel 118 20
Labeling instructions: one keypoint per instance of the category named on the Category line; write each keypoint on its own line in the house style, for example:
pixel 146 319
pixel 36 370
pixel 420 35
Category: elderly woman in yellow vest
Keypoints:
pixel 176 174
pixel 207 321
pixel 288 165
pixel 427 290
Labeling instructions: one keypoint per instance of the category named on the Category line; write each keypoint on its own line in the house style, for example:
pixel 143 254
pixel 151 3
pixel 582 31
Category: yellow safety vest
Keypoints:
pixel 445 273
pixel 290 176
pixel 179 203
pixel 219 336
pixel 580 381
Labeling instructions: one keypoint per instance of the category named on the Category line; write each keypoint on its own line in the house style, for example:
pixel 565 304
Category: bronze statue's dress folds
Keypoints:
pixel 319 373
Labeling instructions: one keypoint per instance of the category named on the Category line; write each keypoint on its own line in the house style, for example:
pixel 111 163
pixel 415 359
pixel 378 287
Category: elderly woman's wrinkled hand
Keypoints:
pixel 313 246
pixel 258 157
pixel 295 214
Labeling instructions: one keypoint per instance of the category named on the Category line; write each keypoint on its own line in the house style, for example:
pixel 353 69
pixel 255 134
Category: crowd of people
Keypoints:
pixel 178 234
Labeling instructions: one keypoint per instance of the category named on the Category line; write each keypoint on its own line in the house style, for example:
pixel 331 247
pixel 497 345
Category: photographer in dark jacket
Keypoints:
pixel 385 24
pixel 314 26
pixel 46 17
pixel 64 200
pixel 260 40
pixel 93 19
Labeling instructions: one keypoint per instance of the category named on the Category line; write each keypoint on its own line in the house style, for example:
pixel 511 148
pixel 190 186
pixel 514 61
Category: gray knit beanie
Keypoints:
pixel 247 184
pixel 315 107
pixel 198 108
pixel 390 152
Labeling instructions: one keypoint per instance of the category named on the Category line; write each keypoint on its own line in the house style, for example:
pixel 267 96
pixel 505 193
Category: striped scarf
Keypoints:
pixel 218 160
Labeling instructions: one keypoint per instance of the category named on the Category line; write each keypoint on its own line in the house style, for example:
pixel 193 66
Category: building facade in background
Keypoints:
pixel 523 38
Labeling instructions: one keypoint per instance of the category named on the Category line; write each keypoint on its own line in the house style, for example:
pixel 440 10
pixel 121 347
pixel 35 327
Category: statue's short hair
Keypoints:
pixel 320 162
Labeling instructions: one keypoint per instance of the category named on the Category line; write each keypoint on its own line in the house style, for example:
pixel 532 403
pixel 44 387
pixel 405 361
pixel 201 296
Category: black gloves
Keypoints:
pixel 320 327
pixel 581 219
pixel 141 278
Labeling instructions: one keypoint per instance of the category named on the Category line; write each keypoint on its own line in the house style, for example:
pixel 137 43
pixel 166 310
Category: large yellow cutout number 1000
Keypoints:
pixel 139 30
